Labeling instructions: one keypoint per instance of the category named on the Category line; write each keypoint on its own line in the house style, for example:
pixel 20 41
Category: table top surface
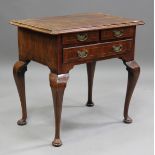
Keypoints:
pixel 75 23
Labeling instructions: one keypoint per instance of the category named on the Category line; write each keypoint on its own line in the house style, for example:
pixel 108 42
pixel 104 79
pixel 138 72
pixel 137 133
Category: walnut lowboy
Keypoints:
pixel 64 41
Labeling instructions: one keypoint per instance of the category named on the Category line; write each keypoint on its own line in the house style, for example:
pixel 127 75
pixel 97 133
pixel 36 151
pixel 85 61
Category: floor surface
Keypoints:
pixel 85 131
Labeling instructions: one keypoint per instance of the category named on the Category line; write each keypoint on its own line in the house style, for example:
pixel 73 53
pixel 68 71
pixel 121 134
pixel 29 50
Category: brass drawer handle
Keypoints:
pixel 117 48
pixel 118 33
pixel 82 54
pixel 82 37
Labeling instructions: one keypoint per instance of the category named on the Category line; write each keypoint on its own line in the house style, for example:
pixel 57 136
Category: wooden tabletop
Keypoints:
pixel 75 23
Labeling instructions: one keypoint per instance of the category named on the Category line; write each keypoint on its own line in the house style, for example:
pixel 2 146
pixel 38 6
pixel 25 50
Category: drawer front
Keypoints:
pixel 117 33
pixel 79 38
pixel 96 51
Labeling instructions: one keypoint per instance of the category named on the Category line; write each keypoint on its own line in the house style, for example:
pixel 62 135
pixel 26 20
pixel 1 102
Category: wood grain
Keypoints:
pixel 75 23
pixel 71 38
pixel 127 32
pixel 95 51
pixel 52 41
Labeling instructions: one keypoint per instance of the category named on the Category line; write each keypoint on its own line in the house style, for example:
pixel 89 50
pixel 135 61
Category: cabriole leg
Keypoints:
pixel 58 85
pixel 19 75
pixel 133 74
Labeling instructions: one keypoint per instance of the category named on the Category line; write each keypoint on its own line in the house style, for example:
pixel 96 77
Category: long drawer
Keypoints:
pixel 95 51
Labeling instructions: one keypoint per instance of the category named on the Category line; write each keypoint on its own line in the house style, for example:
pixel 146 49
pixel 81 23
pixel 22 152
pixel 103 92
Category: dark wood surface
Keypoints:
pixel 63 42
pixel 97 51
pixel 50 51
pixel 90 75
pixel 19 70
pixel 125 32
pixel 58 85
pixel 133 74
pixel 72 38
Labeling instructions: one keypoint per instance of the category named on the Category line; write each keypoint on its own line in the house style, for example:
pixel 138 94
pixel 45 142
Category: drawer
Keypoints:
pixel 96 51
pixel 117 33
pixel 81 37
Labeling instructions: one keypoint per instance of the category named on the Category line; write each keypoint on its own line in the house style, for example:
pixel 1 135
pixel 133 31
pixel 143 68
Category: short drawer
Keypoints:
pixel 81 37
pixel 117 33
pixel 96 51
